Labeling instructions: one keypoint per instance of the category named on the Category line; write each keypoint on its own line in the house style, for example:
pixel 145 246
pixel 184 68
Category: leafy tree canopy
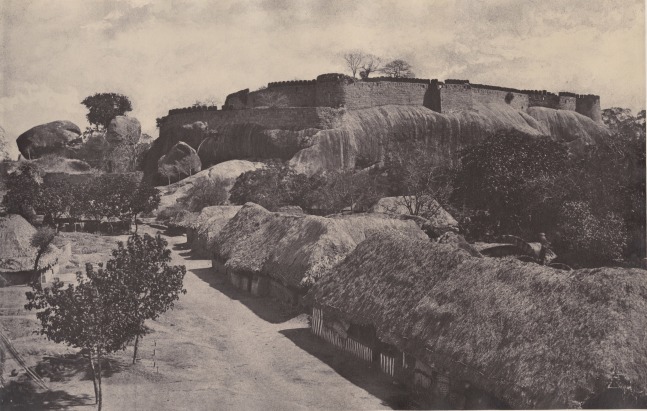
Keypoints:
pixel 103 107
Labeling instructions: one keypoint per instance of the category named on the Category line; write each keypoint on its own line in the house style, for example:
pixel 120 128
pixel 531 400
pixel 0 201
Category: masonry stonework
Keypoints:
pixel 338 90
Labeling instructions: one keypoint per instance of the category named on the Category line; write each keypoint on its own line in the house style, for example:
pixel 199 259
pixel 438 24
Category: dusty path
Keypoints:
pixel 222 349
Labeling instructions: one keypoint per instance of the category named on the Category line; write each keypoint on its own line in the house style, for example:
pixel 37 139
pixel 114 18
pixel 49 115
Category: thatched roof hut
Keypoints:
pixel 183 220
pixel 202 231
pixel 16 251
pixel 533 336
pixel 292 248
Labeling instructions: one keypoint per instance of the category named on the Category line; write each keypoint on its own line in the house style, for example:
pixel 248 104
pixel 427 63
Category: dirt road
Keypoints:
pixel 222 349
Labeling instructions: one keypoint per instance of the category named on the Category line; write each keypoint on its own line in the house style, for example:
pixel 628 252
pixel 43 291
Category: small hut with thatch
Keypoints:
pixel 202 231
pixel 18 256
pixel 281 254
pixel 484 332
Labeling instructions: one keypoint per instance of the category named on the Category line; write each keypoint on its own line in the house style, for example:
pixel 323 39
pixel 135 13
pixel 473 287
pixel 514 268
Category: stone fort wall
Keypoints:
pixel 338 90
pixel 288 118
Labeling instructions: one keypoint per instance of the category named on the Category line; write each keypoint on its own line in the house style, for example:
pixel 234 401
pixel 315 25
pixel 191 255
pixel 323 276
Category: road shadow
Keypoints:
pixel 24 395
pixel 360 373
pixel 264 307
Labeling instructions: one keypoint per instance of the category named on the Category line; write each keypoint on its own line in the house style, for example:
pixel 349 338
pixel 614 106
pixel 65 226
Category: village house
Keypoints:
pixel 201 230
pixel 282 254
pixel 18 256
pixel 467 332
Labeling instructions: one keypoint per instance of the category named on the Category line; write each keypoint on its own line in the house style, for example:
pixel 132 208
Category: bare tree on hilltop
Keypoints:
pixel 370 65
pixel 398 68
pixel 354 61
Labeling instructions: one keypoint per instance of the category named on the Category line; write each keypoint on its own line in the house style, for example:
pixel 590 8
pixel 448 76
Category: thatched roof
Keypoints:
pixel 16 252
pixel 184 219
pixel 202 232
pixel 533 336
pixel 291 248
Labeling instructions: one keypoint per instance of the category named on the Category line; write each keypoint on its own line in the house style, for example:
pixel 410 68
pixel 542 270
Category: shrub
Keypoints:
pixel 205 193
pixel 588 240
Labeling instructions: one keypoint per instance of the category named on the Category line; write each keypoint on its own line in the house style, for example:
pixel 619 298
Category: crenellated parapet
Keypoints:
pixel 338 90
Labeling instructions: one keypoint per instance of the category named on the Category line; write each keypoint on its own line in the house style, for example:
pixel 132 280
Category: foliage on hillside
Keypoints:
pixel 120 196
pixel 591 206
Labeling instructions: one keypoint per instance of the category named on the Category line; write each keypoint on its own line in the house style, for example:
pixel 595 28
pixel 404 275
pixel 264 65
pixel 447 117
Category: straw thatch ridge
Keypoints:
pixel 531 335
pixel 16 251
pixel 290 248
pixel 183 220
pixel 201 232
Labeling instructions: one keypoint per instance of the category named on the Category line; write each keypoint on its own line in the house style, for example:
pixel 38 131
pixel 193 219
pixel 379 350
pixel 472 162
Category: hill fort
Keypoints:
pixel 338 122
pixel 338 90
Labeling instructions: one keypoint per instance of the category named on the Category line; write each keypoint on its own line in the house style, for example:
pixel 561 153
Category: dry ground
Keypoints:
pixel 218 349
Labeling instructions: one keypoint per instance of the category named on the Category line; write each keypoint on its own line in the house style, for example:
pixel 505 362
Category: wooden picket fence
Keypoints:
pixel 353 347
pixel 387 364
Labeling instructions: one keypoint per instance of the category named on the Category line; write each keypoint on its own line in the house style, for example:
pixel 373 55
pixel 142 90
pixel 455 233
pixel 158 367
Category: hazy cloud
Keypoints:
pixel 165 54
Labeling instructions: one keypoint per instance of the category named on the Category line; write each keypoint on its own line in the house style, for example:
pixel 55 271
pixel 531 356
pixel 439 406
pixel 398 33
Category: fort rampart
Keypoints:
pixel 338 90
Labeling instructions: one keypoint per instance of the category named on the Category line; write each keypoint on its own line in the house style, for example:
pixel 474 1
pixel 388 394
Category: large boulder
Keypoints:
pixel 181 161
pixel 50 138
pixel 124 130
pixel 226 173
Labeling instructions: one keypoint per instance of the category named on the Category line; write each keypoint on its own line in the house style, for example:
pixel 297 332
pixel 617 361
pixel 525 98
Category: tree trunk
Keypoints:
pixel 135 223
pixel 99 403
pixel 135 351
pixel 38 255
pixel 94 379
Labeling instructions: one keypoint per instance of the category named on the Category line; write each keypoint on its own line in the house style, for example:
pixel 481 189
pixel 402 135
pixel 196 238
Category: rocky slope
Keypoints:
pixel 338 137
pixel 226 172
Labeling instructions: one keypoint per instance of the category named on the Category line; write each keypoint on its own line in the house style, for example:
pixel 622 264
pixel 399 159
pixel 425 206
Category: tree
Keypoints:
pixel 41 241
pixel 167 171
pixel 118 196
pixel 332 192
pixel 23 190
pixel 95 316
pixel 56 199
pixel 205 192
pixel 354 61
pixel 4 152
pixel 513 179
pixel 144 200
pixel 269 187
pixel 398 68
pixel 103 107
pixel 142 264
pixel 415 176
pixel 588 240
pixel 273 99
pixel 370 65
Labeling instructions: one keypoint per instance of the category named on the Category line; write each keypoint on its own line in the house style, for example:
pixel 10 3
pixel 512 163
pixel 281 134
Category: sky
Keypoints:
pixel 164 54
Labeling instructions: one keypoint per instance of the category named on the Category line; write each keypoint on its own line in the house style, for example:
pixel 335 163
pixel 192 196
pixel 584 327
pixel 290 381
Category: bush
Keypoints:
pixel 170 213
pixel 205 193
pixel 588 240
pixel 270 187
pixel 512 178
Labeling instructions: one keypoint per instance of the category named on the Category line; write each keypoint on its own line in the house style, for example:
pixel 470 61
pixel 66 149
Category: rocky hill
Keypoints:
pixel 320 138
